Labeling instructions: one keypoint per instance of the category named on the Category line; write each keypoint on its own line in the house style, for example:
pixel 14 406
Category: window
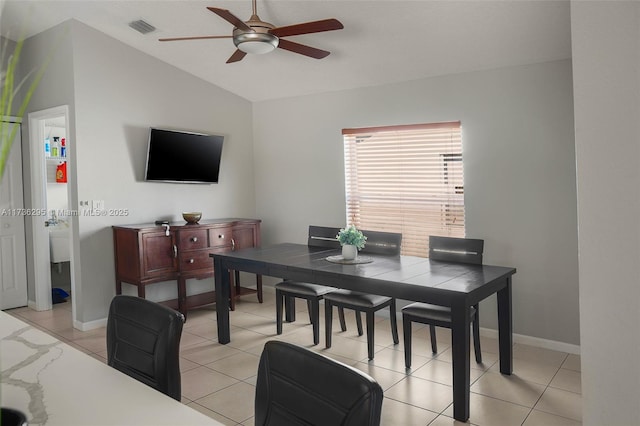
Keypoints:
pixel 406 179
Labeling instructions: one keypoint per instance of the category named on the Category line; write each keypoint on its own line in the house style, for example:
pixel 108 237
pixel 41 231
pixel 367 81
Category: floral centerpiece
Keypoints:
pixel 351 240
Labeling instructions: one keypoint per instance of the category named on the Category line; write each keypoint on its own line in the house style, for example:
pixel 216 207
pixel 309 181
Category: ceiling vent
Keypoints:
pixel 142 27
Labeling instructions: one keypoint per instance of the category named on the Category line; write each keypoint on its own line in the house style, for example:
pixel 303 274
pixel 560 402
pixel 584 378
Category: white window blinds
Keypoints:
pixel 406 179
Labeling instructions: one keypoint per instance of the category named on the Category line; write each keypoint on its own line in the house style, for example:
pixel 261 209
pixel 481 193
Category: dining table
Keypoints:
pixel 455 285
pixel 52 383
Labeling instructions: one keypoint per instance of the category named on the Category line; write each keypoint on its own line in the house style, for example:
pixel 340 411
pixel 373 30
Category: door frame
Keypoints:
pixel 39 234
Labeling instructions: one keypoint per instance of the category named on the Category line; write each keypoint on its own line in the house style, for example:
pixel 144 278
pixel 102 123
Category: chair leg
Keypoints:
pixel 370 333
pixel 259 287
pixel 359 322
pixel 343 323
pixel 434 343
pixel 289 308
pixel 406 331
pixel 314 313
pixel 309 309
pixel 394 321
pixel 476 336
pixel 328 318
pixel 279 298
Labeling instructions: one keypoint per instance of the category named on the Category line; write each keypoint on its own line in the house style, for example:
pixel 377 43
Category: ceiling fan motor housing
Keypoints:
pixel 259 41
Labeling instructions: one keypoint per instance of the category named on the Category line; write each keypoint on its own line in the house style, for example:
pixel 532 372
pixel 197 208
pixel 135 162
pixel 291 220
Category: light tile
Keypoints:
pixel 93 343
pixel 186 365
pixel 397 413
pixel 572 363
pixel 531 370
pixel 441 372
pixel 561 403
pixel 235 402
pixel 539 418
pixel 568 380
pixel 240 366
pixel 393 359
pixel 415 396
pixel 210 413
pixel 349 348
pixel 205 329
pixel 243 339
pixel 207 352
pixel 443 420
pixel 508 388
pixel 202 381
pixel 386 378
pixel 188 339
pixel 487 411
pixel 421 393
pixel 540 355
pixel 489 359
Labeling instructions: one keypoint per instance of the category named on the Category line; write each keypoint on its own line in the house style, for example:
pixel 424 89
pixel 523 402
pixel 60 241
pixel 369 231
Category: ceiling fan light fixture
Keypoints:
pixel 256 43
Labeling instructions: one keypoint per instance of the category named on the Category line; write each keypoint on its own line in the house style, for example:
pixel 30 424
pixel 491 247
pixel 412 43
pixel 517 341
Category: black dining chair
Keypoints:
pixel 12 417
pixel 384 243
pixel 287 291
pixel 447 249
pixel 143 341
pixel 296 386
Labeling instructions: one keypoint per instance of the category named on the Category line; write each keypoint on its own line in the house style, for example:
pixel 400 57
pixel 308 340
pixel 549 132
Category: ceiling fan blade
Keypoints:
pixel 312 52
pixel 237 56
pixel 308 28
pixel 192 38
pixel 231 18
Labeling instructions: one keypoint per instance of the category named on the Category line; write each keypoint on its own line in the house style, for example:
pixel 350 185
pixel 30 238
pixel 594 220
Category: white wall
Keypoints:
pixel 56 88
pixel 519 173
pixel 606 61
pixel 117 94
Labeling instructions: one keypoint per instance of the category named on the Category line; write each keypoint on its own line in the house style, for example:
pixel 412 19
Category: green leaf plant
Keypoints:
pixel 351 236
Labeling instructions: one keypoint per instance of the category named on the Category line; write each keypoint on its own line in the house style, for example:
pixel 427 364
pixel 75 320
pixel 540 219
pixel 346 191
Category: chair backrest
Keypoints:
pixel 387 243
pixel 296 386
pixel 461 250
pixel 143 341
pixel 323 236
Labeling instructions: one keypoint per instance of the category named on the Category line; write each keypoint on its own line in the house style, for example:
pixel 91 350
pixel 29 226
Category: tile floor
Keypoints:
pixel 219 380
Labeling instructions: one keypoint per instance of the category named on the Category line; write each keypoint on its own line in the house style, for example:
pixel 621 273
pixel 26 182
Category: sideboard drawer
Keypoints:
pixel 193 260
pixel 192 239
pixel 219 237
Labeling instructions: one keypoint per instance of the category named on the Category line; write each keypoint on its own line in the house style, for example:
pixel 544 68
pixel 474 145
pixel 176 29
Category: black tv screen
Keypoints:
pixel 177 156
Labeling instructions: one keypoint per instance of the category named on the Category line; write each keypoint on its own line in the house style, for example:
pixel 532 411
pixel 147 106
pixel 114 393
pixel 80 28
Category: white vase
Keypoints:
pixel 349 252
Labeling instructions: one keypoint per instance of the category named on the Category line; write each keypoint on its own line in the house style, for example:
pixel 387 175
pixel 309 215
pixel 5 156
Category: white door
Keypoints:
pixel 13 262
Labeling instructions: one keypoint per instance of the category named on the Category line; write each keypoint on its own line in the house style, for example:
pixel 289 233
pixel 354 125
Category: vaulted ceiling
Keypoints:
pixel 382 41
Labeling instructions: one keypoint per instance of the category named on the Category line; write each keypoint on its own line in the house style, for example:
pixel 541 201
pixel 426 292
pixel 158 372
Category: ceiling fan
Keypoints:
pixel 257 36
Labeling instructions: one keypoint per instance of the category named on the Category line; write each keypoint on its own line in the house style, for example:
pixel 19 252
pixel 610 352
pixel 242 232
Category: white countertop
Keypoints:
pixel 55 384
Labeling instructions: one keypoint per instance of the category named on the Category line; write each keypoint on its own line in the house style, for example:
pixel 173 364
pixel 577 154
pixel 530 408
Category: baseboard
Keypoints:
pixel 535 341
pixel 91 325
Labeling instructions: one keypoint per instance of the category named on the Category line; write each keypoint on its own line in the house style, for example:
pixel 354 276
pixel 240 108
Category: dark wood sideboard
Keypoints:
pixel 145 254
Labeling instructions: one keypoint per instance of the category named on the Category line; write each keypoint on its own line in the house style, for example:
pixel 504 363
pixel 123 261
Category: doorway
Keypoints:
pixel 53 232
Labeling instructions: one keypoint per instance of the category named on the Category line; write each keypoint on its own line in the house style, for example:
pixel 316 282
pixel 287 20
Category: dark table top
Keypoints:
pixel 403 277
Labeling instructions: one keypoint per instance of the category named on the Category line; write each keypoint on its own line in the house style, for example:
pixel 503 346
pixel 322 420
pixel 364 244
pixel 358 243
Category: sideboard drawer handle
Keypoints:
pixel 220 235
pixel 191 261
pixel 194 239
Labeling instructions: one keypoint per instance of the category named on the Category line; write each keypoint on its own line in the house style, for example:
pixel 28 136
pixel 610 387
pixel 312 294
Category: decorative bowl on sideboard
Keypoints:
pixel 192 217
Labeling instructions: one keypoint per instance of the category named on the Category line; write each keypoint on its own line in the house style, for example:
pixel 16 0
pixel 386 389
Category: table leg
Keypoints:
pixel 460 334
pixel 505 338
pixel 222 283
pixel 182 296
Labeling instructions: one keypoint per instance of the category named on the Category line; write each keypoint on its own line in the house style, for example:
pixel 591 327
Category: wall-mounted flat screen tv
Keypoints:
pixel 185 157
